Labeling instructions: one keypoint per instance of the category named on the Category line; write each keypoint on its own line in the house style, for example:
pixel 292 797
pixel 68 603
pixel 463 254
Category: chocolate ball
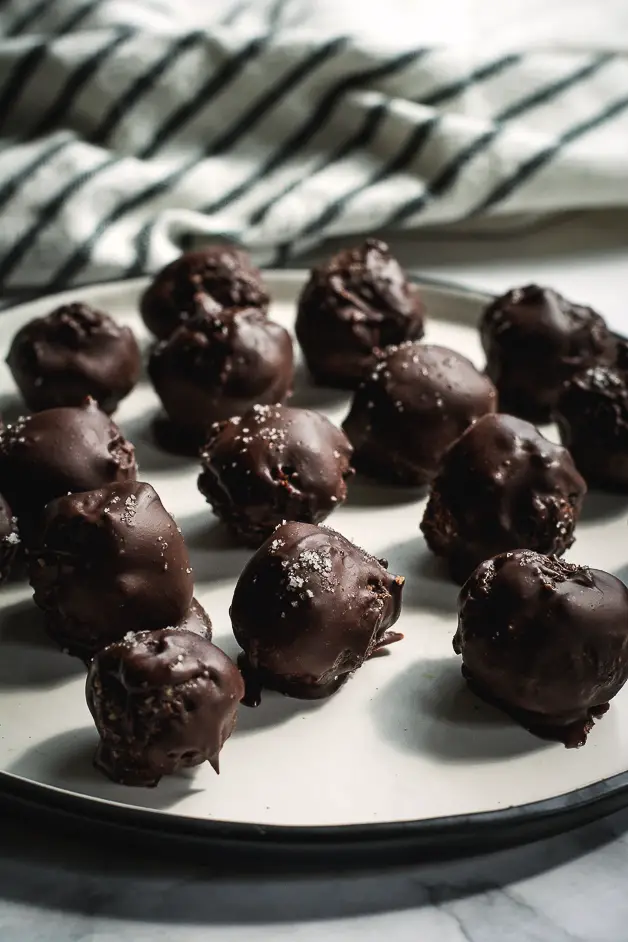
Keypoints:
pixel 274 464
pixel 356 303
pixel 417 401
pixel 592 416
pixel 162 701
pixel 111 561
pixel 218 366
pixel 218 277
pixel 73 353
pixel 544 640
pixel 502 486
pixel 308 609
pixel 9 540
pixel 60 451
pixel 197 620
pixel 535 340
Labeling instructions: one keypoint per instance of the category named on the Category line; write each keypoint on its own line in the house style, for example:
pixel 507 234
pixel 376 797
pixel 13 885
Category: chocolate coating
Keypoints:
pixel 502 486
pixel 73 353
pixel 9 539
pixel 309 608
pixel 197 620
pixel 544 640
pixel 417 401
pixel 58 451
pixel 535 340
pixel 111 561
pixel 218 277
pixel 162 701
pixel 274 464
pixel 218 366
pixel 356 303
pixel 592 416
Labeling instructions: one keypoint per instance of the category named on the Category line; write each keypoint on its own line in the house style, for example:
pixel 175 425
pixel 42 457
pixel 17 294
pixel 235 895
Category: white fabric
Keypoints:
pixel 129 128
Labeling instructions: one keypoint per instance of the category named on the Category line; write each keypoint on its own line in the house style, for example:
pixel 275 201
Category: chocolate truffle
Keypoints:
pixel 218 366
pixel 111 561
pixel 162 701
pixel 502 486
pixel 197 620
pixel 592 416
pixel 274 464
pixel 73 353
pixel 535 340
pixel 417 401
pixel 309 609
pixel 218 277
pixel 9 540
pixel 544 640
pixel 56 452
pixel 356 303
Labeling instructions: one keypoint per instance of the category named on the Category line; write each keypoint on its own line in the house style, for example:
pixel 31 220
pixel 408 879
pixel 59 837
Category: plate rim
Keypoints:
pixel 443 836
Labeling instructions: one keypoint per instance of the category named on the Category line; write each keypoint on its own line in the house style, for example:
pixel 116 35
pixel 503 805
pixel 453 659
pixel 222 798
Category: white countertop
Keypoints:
pixel 570 888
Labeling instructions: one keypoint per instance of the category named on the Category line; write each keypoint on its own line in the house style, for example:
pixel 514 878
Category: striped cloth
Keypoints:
pixel 130 129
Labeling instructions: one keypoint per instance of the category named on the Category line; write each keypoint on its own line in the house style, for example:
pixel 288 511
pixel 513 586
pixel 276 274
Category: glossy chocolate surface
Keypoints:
pixel 162 701
pixel 73 353
pixel 502 486
pixel 417 401
pixel 309 608
pixel 359 301
pixel 535 340
pixel 274 464
pixel 545 640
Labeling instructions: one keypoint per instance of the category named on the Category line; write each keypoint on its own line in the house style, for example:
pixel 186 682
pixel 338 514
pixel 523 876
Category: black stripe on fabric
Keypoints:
pixel 275 13
pixel 75 83
pixel 450 173
pixel 359 140
pixel 141 245
pixel 76 17
pixel 229 18
pixel 531 166
pixel 230 69
pixel 19 75
pixel 46 215
pixel 11 186
pixel 490 70
pixel 21 25
pixel 81 256
pixel 315 121
pixel 142 85
pixel 274 95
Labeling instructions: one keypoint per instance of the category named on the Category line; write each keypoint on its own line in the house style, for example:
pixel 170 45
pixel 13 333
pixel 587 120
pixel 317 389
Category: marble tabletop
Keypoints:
pixel 570 888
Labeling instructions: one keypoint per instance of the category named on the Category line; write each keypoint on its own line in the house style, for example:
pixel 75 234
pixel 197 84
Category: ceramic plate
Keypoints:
pixel 404 753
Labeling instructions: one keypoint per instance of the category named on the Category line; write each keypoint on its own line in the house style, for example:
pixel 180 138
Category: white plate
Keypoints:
pixel 403 741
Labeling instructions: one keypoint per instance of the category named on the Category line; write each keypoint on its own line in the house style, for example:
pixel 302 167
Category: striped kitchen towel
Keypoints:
pixel 132 128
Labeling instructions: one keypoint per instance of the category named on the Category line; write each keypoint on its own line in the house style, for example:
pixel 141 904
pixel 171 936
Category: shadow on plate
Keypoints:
pixel 66 761
pixel 274 710
pixel 29 657
pixel 149 456
pixel 602 505
pixel 214 552
pixel 12 407
pixel 364 492
pixel 307 395
pixel 428 584
pixel 429 708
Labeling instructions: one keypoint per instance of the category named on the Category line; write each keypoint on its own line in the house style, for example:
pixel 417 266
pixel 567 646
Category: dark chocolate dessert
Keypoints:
pixel 309 609
pixel 356 303
pixel 592 415
pixel 544 640
pixel 111 561
pixel 417 401
pixel 502 486
pixel 197 620
pixel 215 367
pixel 274 464
pixel 73 353
pixel 162 701
pixel 534 341
pixel 216 277
pixel 59 451
pixel 9 540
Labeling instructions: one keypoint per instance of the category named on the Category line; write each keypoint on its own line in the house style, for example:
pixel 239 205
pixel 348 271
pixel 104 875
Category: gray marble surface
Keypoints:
pixel 570 888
